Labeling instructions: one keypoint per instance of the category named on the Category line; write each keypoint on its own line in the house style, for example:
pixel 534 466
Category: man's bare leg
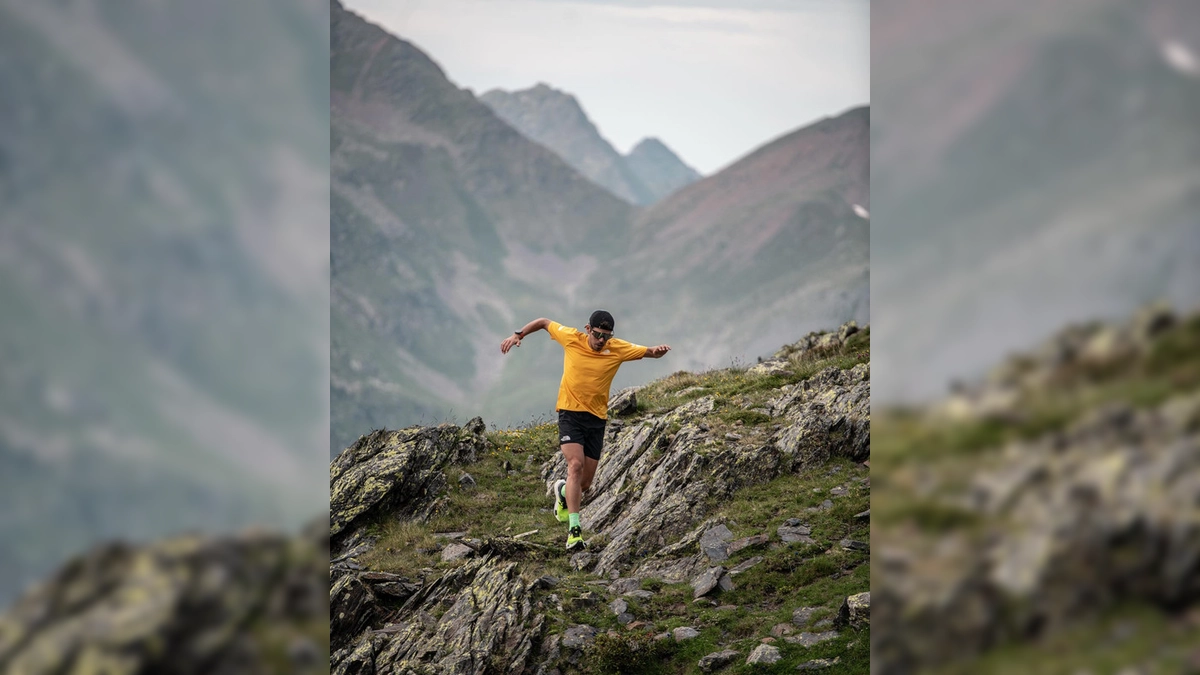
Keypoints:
pixel 589 472
pixel 575 469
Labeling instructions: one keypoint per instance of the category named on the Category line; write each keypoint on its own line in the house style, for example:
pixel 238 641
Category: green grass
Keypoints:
pixel 738 383
pixel 510 499
pixel 1138 636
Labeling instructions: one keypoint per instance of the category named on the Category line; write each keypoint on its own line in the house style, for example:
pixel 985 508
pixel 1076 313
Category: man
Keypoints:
pixel 590 361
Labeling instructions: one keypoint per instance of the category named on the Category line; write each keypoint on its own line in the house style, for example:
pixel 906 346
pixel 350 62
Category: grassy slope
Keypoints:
pixel 510 499
pixel 903 441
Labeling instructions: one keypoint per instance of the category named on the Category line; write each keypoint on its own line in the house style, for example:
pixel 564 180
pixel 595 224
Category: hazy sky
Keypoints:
pixel 713 79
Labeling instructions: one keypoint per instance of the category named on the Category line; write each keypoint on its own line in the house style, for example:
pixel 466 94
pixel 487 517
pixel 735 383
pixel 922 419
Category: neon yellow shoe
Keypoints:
pixel 560 502
pixel 575 539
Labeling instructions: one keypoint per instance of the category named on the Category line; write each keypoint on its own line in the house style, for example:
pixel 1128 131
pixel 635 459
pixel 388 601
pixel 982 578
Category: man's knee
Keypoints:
pixel 574 466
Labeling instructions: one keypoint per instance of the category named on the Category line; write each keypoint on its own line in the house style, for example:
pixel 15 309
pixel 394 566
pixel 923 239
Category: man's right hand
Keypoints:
pixel 510 342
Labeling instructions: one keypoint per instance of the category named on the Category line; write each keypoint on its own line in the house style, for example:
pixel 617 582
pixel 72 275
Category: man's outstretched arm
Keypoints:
pixel 656 352
pixel 514 340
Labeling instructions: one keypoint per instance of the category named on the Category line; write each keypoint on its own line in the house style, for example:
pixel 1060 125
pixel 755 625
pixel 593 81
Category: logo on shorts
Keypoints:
pixel 565 438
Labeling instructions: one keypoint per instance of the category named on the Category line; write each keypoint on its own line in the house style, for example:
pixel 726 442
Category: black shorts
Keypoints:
pixel 583 428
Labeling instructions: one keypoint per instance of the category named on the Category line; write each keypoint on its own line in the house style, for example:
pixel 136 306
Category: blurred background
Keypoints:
pixel 696 167
pixel 164 275
pixel 1035 264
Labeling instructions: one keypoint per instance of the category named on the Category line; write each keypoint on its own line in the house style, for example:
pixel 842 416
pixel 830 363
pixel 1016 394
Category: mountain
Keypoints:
pixel 555 119
pixel 1046 171
pixel 449 230
pixel 659 169
pixel 163 272
pixel 770 244
pixel 730 512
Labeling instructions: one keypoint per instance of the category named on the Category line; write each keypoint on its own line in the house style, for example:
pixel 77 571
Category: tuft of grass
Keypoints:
pixel 630 652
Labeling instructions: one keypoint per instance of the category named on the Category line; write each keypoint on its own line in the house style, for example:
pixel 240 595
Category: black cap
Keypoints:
pixel 602 319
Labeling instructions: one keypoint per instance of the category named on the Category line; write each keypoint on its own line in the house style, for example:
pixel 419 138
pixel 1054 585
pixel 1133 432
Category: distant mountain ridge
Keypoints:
pixel 449 229
pixel 556 120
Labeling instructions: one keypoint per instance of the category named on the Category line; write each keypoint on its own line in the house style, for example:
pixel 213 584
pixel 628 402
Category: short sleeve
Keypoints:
pixel 632 352
pixel 560 333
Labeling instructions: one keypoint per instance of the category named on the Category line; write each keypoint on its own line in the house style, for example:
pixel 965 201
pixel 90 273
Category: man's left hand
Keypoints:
pixel 657 352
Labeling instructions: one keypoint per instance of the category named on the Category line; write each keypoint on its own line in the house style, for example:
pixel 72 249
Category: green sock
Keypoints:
pixel 573 520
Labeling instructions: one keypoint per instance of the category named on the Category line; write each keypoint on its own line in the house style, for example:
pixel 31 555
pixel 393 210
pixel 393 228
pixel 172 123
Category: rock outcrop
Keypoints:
pixel 398 472
pixel 1090 514
pixel 651 506
pixel 191 604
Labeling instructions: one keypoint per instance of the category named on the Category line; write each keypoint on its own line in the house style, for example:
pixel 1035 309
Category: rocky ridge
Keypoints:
pixel 556 120
pixel 248 603
pixel 1077 497
pixel 665 563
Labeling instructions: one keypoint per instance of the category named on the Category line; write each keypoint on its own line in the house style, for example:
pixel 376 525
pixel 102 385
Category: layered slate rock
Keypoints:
pixel 653 483
pixel 189 604
pixel 827 415
pixel 488 626
pixel 398 472
pixel 648 512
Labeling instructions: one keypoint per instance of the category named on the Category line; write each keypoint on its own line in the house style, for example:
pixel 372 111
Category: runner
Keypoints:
pixel 590 361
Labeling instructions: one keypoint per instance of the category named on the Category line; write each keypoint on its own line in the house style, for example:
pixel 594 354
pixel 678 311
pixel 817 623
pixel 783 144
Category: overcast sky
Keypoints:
pixel 713 79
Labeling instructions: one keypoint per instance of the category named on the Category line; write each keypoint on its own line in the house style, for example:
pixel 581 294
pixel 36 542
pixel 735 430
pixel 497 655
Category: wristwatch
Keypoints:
pixel 518 334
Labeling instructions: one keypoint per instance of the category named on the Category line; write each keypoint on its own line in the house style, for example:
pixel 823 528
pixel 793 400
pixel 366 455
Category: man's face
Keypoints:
pixel 597 337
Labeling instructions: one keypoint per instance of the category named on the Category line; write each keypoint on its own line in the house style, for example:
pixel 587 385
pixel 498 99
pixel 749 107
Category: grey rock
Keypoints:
pixel 578 636
pixel 456 551
pixel 839 491
pixel 625 585
pixel 823 623
pixel 618 606
pixel 403 470
pixel 714 543
pixel 803 615
pixel 624 618
pixel 794 522
pixel 684 633
pixel 671 571
pixel 823 506
pixel 717 660
pixel 623 402
pixel 855 611
pixel 545 582
pixel 726 583
pixel 846 330
pixel 819 664
pixel 772 367
pixel 745 565
pixel 640 594
pixel 581 560
pixel 748 542
pixel 810 639
pixel 854 545
pixel 792 535
pixel 864 515
pixel 708 581
pixel 763 654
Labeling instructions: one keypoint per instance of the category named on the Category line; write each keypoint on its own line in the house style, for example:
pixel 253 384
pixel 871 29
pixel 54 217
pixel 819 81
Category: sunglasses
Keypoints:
pixel 601 336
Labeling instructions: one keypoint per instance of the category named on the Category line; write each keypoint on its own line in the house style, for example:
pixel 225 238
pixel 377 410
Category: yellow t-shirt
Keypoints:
pixel 588 375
